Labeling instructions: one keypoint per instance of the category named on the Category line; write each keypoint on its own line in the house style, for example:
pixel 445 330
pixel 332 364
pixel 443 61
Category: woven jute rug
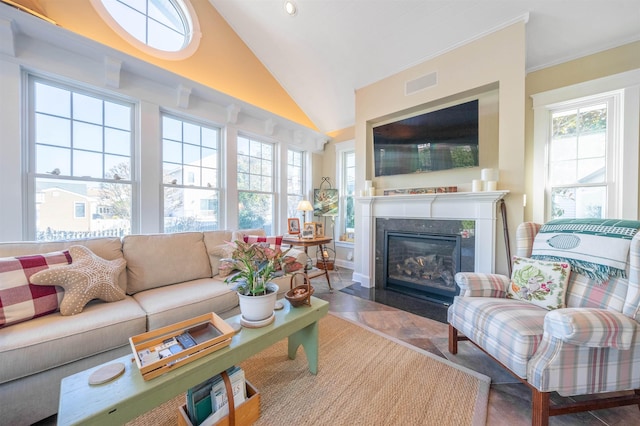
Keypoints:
pixel 364 378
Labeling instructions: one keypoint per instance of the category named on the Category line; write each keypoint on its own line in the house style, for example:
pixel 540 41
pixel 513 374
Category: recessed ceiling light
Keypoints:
pixel 290 7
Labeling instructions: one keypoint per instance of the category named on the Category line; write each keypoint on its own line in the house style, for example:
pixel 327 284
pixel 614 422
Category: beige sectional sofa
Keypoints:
pixel 168 278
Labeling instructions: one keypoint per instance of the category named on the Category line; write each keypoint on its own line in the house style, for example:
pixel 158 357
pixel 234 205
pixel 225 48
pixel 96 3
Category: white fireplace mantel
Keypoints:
pixel 478 206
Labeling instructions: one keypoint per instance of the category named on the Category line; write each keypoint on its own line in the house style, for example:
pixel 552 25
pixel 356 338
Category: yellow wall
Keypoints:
pixel 222 61
pixel 492 64
pixel 602 64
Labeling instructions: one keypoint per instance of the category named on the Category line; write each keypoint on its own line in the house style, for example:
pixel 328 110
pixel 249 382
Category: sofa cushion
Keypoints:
pixel 540 282
pixel 53 340
pixel 109 248
pixel 178 302
pixel 162 259
pixel 20 300
pixel 509 330
pixel 88 277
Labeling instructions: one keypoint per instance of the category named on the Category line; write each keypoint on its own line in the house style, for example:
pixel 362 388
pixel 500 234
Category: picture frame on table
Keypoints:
pixel 293 226
pixel 319 230
pixel 309 230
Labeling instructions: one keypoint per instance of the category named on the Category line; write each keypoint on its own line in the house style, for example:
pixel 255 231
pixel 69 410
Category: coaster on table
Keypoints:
pixel 106 373
pixel 257 324
pixel 279 305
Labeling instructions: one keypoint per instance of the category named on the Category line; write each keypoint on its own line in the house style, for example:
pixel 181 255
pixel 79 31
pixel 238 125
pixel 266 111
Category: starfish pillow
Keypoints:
pixel 87 277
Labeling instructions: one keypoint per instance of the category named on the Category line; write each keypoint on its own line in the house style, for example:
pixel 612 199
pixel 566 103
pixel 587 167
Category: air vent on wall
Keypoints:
pixel 420 83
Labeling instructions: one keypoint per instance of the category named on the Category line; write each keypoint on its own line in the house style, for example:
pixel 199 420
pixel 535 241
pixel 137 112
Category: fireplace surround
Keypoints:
pixel 450 209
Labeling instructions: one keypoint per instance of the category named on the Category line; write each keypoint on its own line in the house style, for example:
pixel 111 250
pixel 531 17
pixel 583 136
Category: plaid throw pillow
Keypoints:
pixel 19 299
pixel 273 242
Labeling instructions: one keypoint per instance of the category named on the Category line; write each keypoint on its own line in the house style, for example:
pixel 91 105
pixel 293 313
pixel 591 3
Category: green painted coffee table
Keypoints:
pixel 130 395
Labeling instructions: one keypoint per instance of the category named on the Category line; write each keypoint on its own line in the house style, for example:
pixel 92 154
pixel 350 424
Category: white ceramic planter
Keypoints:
pixel 259 308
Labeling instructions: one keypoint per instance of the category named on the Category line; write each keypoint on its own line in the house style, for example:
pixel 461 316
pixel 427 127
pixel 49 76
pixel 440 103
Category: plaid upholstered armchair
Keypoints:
pixel 575 333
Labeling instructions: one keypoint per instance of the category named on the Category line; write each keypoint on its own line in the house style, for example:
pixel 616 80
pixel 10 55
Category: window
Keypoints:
pixel 163 28
pixel 586 149
pixel 256 191
pixel 80 210
pixel 578 177
pixel 295 182
pixel 346 172
pixel 191 175
pixel 80 145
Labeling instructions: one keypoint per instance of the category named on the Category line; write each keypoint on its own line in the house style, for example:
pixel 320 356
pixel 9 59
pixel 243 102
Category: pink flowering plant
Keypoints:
pixel 256 265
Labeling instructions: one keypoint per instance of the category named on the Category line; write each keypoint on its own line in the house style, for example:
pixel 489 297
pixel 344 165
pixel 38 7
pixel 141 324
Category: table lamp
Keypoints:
pixel 304 206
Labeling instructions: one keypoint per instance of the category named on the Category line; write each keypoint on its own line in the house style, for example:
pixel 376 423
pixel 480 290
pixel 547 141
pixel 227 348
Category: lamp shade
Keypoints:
pixel 304 206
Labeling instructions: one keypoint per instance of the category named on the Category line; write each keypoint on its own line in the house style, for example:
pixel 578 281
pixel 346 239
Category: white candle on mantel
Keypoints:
pixel 488 175
pixel 476 185
pixel 367 184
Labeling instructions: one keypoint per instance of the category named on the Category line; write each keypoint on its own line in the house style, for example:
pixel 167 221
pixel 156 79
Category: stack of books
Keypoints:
pixel 207 402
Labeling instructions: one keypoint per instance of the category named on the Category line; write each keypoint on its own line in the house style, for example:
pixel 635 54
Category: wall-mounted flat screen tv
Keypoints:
pixel 437 140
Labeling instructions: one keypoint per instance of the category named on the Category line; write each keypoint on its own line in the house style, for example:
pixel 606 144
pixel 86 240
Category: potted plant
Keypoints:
pixel 256 264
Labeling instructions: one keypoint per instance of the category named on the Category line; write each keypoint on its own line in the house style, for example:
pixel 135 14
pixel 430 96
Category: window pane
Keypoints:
pixel 117 141
pixel 49 159
pixel 87 108
pixel 255 211
pixel 163 38
pixel 188 209
pixel 87 136
pixel 117 116
pixel 582 202
pixel 117 165
pixel 107 209
pixel 172 173
pixel 52 100
pixel 52 130
pixel 172 151
pixel 191 155
pixel 87 164
pixel 171 128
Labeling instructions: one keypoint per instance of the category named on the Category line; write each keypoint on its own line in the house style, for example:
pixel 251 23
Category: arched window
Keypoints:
pixel 162 28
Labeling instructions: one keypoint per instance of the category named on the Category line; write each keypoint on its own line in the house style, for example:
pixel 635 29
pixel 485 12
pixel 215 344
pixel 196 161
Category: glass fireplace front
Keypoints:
pixel 422 265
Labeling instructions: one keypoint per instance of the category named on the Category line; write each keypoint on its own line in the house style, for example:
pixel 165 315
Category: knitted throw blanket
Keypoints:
pixel 597 248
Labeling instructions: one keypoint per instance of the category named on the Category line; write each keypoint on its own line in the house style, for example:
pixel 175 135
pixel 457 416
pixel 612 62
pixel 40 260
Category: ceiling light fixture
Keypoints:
pixel 290 7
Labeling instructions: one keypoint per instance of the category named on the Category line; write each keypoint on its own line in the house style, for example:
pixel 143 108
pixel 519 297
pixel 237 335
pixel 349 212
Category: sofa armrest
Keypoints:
pixel 592 327
pixel 475 284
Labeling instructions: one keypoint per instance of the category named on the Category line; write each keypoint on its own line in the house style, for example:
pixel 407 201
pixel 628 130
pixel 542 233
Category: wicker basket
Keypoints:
pixel 297 297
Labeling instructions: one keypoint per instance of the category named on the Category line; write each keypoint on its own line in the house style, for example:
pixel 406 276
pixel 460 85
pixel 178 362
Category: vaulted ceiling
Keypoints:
pixel 331 48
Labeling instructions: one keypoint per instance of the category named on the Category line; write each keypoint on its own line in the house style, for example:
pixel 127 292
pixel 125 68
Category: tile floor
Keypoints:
pixel 509 400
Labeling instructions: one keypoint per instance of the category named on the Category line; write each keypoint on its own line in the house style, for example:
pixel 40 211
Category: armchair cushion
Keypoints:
pixel 482 285
pixel 509 330
pixel 539 282
pixel 596 328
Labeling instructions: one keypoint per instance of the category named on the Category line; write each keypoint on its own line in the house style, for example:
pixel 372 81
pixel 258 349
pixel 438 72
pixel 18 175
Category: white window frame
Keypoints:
pixel 29 168
pixel 276 189
pixel 341 149
pixel 291 210
pixel 188 176
pixel 622 152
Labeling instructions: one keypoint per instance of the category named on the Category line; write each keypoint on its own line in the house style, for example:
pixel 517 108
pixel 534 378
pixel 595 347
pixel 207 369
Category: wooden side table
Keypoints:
pixel 319 242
